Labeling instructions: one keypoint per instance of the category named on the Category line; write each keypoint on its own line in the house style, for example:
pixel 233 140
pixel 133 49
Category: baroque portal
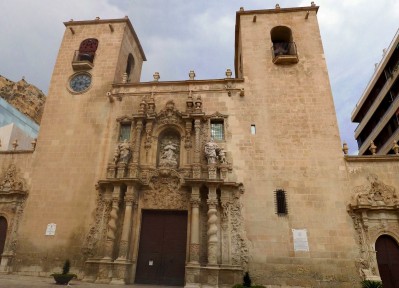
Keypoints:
pixel 183 170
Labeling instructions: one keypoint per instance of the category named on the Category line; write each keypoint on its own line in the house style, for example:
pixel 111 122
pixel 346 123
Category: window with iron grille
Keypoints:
pixel 124 132
pixel 217 129
pixel 281 202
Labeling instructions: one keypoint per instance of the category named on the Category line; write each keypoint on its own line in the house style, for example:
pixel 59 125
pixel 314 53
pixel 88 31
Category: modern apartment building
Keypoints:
pixel 377 111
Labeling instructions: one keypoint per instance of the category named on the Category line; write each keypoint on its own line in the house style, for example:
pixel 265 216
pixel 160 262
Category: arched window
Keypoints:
pixel 3 234
pixel 87 50
pixel 129 66
pixel 283 49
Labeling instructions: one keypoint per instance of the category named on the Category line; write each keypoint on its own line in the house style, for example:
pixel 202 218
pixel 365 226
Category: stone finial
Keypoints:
pixel 124 77
pixel 277 6
pixel 189 102
pixel 97 18
pixel 345 148
pixel 33 143
pixel 198 104
pixel 228 73
pixel 242 92
pixel 241 8
pixel 395 147
pixel 15 144
pixel 191 75
pixel 372 147
pixel 312 4
pixel 143 106
pixel 156 76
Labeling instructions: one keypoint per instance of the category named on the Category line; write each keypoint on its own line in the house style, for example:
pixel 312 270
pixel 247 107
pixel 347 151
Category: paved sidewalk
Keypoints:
pixel 18 281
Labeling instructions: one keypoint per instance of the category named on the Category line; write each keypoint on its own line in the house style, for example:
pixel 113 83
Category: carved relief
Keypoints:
pixel 165 185
pixel 169 115
pixel 239 247
pixel 370 208
pixel 11 181
pixel 375 193
pixel 94 242
pixel 13 195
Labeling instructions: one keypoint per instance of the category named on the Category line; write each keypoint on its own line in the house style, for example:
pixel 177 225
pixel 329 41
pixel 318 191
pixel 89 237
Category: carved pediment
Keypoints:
pixel 375 195
pixel 169 115
pixel 217 115
pixel 124 119
pixel 10 181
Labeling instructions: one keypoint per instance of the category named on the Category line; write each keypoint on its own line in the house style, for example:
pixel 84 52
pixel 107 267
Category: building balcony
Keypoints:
pixel 284 53
pixel 82 60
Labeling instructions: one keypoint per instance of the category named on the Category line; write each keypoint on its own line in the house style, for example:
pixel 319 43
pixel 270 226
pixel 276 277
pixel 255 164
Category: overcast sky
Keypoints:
pixel 182 35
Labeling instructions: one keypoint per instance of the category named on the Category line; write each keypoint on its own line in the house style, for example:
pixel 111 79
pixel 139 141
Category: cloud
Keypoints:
pixel 178 36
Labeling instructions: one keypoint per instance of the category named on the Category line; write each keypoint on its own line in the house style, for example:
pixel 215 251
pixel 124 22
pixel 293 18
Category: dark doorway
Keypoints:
pixel 162 250
pixel 3 234
pixel 388 261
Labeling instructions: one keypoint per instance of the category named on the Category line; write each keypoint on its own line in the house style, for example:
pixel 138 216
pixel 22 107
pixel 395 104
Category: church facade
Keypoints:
pixel 194 182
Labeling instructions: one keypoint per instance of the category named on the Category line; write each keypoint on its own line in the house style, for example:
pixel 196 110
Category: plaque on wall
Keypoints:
pixel 300 240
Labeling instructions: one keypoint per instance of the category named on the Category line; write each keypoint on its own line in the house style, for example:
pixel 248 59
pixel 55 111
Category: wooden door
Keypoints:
pixel 3 234
pixel 388 261
pixel 162 248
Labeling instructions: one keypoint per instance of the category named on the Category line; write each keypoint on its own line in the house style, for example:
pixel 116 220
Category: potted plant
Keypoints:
pixel 247 282
pixel 64 277
pixel 371 284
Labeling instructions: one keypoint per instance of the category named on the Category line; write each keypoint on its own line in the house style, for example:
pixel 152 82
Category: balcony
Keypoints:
pixel 83 60
pixel 284 53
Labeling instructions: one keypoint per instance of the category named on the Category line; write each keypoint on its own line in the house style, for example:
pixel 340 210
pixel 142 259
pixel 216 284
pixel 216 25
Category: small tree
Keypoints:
pixel 246 280
pixel 66 267
pixel 371 284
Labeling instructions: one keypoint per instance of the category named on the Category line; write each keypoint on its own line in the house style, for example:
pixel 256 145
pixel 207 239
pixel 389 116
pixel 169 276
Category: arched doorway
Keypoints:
pixel 3 233
pixel 388 261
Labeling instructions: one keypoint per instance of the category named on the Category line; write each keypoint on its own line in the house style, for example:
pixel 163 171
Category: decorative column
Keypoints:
pixel 225 231
pixel 127 223
pixel 136 149
pixel 121 265
pixel 110 242
pixel 195 235
pixel 197 150
pixel 212 226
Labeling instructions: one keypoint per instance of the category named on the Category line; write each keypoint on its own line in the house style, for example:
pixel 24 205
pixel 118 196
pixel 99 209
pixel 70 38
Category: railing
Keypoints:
pixel 83 60
pixel 284 52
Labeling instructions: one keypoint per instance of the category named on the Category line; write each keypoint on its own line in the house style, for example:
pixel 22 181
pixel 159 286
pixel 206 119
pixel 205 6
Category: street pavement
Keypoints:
pixel 19 281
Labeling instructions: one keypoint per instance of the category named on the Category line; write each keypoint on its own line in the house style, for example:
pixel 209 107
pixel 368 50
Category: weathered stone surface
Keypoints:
pixel 25 97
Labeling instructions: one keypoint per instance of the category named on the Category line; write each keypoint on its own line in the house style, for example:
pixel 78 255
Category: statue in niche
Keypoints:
pixel 122 153
pixel 169 153
pixel 211 151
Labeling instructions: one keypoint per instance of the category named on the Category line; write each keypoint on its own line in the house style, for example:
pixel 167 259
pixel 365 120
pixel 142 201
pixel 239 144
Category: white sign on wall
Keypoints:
pixel 300 240
pixel 50 231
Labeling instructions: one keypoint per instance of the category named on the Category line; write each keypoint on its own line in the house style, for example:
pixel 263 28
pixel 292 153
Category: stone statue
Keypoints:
pixel 211 150
pixel 122 153
pixel 222 156
pixel 168 155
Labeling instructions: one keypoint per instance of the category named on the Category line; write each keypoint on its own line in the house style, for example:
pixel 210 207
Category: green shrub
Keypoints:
pixel 371 284
pixel 246 280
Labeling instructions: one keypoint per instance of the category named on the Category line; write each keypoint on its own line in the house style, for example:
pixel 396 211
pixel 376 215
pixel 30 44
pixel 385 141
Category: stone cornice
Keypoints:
pixel 371 158
pixel 110 21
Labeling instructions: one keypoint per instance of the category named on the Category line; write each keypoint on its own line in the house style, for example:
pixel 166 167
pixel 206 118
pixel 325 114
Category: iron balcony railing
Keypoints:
pixel 284 52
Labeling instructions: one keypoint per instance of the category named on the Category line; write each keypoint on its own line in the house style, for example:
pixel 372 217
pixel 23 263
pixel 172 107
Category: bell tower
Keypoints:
pixel 72 144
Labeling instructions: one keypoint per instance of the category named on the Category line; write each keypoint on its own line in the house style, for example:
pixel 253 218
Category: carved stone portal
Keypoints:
pixel 13 194
pixel 374 209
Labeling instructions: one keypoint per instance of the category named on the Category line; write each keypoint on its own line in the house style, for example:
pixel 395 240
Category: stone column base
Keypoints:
pixel 120 272
pixel 212 276
pixel 104 272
